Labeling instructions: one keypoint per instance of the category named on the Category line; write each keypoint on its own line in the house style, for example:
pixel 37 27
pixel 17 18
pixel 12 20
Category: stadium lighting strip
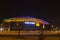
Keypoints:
pixel 26 19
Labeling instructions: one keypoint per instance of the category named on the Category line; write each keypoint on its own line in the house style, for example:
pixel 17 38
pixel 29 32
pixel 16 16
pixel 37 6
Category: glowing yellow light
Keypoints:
pixel 13 20
pixel 37 24
pixel 17 20
pixel 8 21
pixel 22 19
pixel 43 26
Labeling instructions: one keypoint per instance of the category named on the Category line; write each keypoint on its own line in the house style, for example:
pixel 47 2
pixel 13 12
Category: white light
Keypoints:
pixel 1 29
pixel 29 22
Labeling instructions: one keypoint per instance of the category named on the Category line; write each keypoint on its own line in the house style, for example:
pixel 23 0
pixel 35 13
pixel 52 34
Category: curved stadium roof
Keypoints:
pixel 19 19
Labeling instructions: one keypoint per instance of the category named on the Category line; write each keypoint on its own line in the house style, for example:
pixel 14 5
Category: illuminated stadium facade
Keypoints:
pixel 23 23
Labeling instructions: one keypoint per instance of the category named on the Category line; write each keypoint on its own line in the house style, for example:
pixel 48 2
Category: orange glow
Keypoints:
pixel 1 24
pixel 37 24
pixel 13 20
pixel 17 20
pixel 8 21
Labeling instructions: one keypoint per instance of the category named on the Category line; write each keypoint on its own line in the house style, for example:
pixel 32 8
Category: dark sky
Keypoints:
pixel 47 10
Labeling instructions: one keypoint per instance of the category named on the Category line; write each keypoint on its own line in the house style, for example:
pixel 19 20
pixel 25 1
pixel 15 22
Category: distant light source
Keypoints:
pixel 43 26
pixel 37 24
pixel 1 24
pixel 8 21
pixel 1 29
pixel 52 26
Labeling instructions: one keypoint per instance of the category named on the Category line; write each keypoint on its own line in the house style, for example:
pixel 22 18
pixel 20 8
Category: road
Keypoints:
pixel 28 32
pixel 9 37
pixel 29 37
pixel 47 35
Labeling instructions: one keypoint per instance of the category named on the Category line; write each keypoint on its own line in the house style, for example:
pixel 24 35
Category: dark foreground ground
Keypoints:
pixel 30 37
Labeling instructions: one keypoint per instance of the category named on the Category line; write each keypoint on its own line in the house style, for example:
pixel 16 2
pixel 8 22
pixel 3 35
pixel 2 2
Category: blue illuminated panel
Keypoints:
pixel 29 22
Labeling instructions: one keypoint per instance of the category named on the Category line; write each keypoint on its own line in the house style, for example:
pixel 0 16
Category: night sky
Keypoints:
pixel 46 10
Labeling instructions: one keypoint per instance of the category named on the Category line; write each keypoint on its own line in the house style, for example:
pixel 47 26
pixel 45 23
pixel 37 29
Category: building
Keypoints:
pixel 23 26
pixel 24 23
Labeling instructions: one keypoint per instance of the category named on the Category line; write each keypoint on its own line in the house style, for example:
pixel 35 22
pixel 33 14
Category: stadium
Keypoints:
pixel 17 23
pixel 25 25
